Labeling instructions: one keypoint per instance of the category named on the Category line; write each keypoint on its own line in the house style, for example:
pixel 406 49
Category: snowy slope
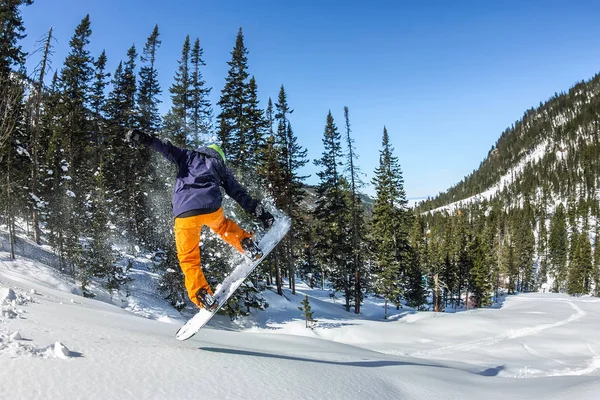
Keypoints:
pixel 534 346
pixel 506 180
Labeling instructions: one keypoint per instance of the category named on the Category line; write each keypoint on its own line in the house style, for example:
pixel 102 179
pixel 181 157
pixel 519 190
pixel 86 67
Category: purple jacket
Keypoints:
pixel 200 175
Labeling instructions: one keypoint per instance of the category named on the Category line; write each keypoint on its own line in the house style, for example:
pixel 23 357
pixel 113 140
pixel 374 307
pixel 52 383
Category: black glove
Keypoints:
pixel 137 137
pixel 265 216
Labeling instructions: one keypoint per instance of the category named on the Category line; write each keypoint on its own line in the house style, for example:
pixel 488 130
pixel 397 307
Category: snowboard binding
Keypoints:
pixel 207 300
pixel 252 250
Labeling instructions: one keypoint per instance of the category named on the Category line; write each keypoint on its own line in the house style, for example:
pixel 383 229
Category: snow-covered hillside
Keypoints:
pixel 55 344
pixel 506 180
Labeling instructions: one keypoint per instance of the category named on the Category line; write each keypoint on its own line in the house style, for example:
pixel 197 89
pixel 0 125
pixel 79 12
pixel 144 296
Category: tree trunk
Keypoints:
pixel 385 307
pixel 436 293
pixel 357 292
pixel 278 274
pixel 35 165
pixel 9 213
pixel 347 291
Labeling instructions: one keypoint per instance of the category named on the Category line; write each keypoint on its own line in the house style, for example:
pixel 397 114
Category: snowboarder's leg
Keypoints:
pixel 229 231
pixel 187 238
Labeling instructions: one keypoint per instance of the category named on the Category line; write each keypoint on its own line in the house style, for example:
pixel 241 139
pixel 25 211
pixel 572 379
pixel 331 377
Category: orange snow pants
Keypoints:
pixel 187 238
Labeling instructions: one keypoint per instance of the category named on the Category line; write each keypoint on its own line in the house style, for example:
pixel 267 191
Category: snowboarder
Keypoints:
pixel 196 202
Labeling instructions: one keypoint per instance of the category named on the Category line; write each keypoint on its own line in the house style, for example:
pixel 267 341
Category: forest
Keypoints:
pixel 71 181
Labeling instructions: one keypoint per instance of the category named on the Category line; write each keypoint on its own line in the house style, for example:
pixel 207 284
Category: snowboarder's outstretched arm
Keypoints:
pixel 238 193
pixel 166 148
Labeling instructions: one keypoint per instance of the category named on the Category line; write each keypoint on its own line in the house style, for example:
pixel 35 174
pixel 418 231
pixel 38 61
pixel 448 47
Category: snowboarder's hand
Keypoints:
pixel 137 137
pixel 265 216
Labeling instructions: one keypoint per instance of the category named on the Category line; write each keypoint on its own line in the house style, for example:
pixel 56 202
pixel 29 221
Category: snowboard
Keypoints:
pixel 239 274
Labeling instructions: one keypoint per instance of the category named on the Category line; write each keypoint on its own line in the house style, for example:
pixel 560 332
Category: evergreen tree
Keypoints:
pixel 98 106
pixel 176 121
pixel 480 282
pixel 127 167
pixel 525 246
pixel 37 143
pixel 542 248
pixel 292 157
pixel 415 292
pixel 129 85
pixel 11 136
pixel 11 32
pixel 234 99
pixel 390 225
pixel 72 150
pixel 581 266
pixel 200 114
pixel 149 88
pixel 257 126
pixel 511 267
pixel 307 312
pixel 333 244
pixel 558 248
pixel 271 171
pixel 596 271
pixel 99 257
pixel 357 214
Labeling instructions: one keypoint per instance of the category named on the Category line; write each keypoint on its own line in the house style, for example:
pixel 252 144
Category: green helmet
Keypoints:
pixel 217 149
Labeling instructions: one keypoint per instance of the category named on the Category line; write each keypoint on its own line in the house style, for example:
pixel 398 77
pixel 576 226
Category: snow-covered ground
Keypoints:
pixel 55 344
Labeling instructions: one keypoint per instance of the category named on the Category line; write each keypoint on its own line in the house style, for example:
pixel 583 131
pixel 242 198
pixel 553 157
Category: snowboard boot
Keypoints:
pixel 207 300
pixel 252 250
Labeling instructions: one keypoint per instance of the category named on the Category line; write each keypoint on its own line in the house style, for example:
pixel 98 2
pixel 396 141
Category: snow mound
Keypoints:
pixel 13 345
pixel 9 300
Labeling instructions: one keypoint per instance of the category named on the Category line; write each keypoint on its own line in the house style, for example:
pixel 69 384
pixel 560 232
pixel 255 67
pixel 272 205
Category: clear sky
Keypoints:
pixel 445 77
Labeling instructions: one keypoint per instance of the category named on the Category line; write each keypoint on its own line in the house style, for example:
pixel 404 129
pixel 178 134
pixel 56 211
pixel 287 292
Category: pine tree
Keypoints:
pixel 99 258
pixel 292 157
pixel 129 86
pixel 357 214
pixel 36 136
pixel 257 127
pixel 98 106
pixel 580 265
pixel 390 225
pixel 307 312
pixel 72 150
pixel 596 271
pixel 11 134
pixel 176 120
pixel 234 99
pixel 542 250
pixel 480 282
pixel 200 113
pixel 149 87
pixel 333 244
pixel 558 248
pixel 511 267
pixel 11 31
pixel 524 247
pixel 415 292
pixel 271 171
pixel 127 167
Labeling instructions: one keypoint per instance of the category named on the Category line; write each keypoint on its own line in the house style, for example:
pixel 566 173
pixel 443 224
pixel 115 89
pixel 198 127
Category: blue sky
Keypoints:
pixel 445 78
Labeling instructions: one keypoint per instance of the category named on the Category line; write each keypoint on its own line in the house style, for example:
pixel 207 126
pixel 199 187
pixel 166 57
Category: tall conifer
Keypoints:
pixel 234 99
pixel 390 225
pixel 333 244
pixel 200 113
pixel 149 87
